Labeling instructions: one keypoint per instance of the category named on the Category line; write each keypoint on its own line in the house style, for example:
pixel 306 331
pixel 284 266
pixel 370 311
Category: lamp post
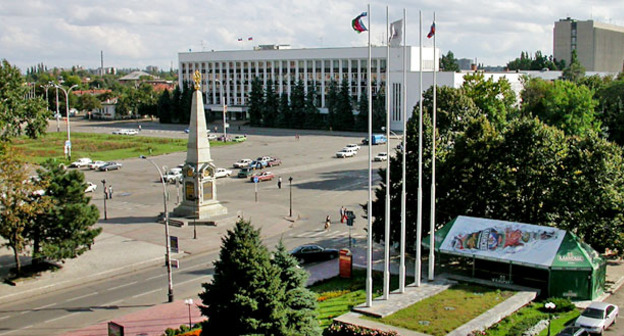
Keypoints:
pixel 167 243
pixel 57 115
pixel 224 103
pixel 290 190
pixel 550 306
pixel 189 303
pixel 67 92
pixel 105 196
pixel 46 87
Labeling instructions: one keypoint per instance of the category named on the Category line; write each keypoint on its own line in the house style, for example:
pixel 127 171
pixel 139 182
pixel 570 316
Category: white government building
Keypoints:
pixel 228 74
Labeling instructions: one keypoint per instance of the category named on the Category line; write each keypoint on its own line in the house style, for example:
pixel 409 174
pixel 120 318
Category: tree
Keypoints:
pixel 298 105
pixel 271 106
pixel 88 102
pixel 246 295
pixel 300 302
pixel 344 118
pixel 284 117
pixel 256 102
pixel 163 109
pixel 361 120
pixel 331 101
pixel 611 109
pixel 527 62
pixel 18 115
pixel 313 118
pixel 495 99
pixel 574 71
pixel 449 62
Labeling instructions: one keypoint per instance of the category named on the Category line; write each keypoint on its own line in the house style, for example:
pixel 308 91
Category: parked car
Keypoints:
pixel 354 146
pixel 246 172
pixel 110 166
pixel 212 137
pixel 82 162
pixel 310 253
pixel 242 163
pixel 257 164
pixel 346 152
pixel 221 138
pixel 383 156
pixel 222 172
pixel 264 176
pixel 91 187
pixel 378 139
pixel 172 175
pixel 126 132
pixel 597 317
pixel 274 162
pixel 239 138
pixel 96 164
pixel 573 331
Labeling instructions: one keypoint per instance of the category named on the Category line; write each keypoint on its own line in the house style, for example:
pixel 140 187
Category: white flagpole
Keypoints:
pixel 404 181
pixel 369 210
pixel 433 158
pixel 386 273
pixel 417 268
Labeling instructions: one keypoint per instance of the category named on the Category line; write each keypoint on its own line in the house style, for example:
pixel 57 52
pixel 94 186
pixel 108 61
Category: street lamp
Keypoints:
pixel 189 303
pixel 105 196
pixel 167 243
pixel 290 189
pixel 224 102
pixel 67 92
pixel 46 87
pixel 550 306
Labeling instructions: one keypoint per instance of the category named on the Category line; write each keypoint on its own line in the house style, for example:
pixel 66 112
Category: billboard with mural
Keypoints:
pixel 493 239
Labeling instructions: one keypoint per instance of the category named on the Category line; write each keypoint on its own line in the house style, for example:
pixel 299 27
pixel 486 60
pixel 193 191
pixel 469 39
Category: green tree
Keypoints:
pixel 448 62
pixel 15 111
pixel 361 120
pixel 344 118
pixel 495 99
pixel 284 117
pixel 163 109
pixel 611 109
pixel 313 119
pixel 330 102
pixel 88 102
pixel 574 71
pixel 271 106
pixel 246 295
pixel 300 302
pixel 256 102
pixel 297 106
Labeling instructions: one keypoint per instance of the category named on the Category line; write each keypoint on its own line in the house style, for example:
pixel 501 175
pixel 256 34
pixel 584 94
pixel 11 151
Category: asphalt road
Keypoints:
pixel 321 184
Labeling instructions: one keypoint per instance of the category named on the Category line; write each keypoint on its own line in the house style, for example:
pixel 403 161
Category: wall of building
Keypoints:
pixel 609 48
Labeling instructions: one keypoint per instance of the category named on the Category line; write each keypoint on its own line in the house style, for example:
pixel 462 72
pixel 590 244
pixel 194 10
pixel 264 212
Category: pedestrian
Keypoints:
pixel 110 191
pixel 215 129
pixel 105 193
pixel 279 183
pixel 239 127
pixel 343 214
pixel 139 128
pixel 327 222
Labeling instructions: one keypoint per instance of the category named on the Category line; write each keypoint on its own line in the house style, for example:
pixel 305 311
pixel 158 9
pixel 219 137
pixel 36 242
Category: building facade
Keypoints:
pixel 599 46
pixel 227 75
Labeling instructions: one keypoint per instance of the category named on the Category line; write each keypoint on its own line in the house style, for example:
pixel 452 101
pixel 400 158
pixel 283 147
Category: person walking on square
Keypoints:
pixel 327 222
pixel 110 191
pixel 105 193
pixel 279 183
pixel 343 214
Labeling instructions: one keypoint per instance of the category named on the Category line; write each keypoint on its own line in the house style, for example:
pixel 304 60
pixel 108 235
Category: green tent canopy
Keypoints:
pixel 567 266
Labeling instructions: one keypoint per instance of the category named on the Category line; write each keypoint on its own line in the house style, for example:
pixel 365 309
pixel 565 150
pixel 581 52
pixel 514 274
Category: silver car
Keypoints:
pixel 597 317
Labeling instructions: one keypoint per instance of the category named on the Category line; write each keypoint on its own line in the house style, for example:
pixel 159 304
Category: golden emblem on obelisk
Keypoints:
pixel 197 80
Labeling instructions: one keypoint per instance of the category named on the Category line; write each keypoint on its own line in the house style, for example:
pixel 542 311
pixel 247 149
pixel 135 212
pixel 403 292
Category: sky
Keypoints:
pixel 139 33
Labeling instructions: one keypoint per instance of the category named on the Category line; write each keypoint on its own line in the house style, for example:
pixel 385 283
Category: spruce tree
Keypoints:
pixel 246 294
pixel 300 302
pixel 284 118
pixel 297 105
pixel 344 110
pixel 271 106
pixel 256 103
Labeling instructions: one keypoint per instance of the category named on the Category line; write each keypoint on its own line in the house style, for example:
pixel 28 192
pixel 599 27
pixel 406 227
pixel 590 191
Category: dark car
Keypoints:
pixel 310 253
pixel 246 172
pixel 573 331
pixel 110 166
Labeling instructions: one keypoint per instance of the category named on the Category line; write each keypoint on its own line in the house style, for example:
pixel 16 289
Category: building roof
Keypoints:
pixel 135 76
pixel 93 92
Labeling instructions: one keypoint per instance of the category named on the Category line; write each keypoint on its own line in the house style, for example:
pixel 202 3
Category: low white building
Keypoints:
pixel 227 75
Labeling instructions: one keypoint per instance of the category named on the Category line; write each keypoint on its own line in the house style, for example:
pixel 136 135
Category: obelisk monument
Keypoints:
pixel 199 183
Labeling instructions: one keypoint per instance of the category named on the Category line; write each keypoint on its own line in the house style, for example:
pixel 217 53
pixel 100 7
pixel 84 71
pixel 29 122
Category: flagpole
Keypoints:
pixel 369 210
pixel 433 159
pixel 417 266
pixel 403 182
pixel 386 273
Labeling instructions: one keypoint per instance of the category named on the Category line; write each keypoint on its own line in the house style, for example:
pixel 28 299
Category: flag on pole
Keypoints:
pixel 431 31
pixel 396 33
pixel 250 38
pixel 240 39
pixel 358 23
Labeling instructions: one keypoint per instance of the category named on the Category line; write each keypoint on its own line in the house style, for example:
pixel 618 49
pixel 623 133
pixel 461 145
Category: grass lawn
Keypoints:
pixel 532 312
pixel 105 147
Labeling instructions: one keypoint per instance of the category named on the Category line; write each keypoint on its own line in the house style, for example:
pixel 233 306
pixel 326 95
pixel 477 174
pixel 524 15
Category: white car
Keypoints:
pixel 212 137
pixel 354 146
pixel 242 163
pixel 96 164
pixel 82 162
pixel 126 132
pixel 383 156
pixel 346 152
pixel 174 174
pixel 597 317
pixel 222 172
pixel 91 187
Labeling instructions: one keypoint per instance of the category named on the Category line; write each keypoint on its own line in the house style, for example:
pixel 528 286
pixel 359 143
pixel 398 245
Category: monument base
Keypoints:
pixel 205 211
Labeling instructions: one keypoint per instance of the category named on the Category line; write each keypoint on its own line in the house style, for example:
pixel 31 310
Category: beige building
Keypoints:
pixel 599 46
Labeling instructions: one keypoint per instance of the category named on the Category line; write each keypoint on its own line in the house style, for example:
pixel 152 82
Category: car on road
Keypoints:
pixel 242 163
pixel 96 164
pixel 597 317
pixel 274 162
pixel 246 172
pixel 110 166
pixel 264 176
pixel 124 131
pixel 258 164
pixel 354 146
pixel 311 253
pixel 573 331
pixel 239 138
pixel 91 187
pixel 383 156
pixel 82 162
pixel 346 152
pixel 212 137
pixel 174 174
pixel 222 172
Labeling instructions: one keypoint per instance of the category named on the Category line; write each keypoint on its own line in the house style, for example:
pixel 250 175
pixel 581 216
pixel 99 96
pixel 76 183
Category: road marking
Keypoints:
pixel 5 317
pixel 154 277
pixel 59 318
pixel 192 280
pixel 122 286
pixel 81 297
pixel 46 306
pixel 14 331
pixel 146 293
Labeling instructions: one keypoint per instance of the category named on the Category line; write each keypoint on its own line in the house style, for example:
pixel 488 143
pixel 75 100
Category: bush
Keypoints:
pixel 340 329
pixel 562 305
pixel 525 324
